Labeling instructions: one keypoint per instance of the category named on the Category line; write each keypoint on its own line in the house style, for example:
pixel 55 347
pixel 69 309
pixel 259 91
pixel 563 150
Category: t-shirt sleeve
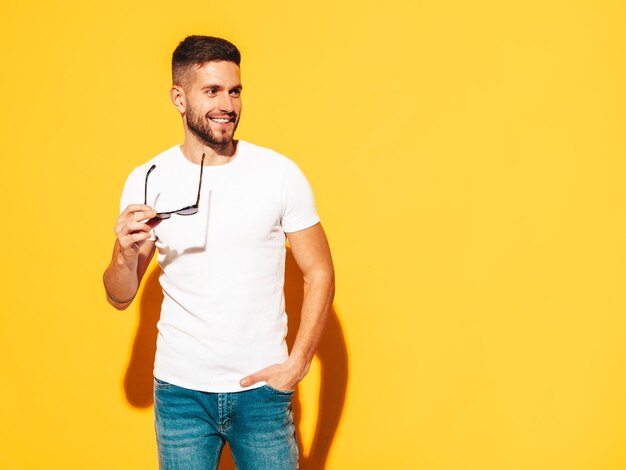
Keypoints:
pixel 133 192
pixel 298 202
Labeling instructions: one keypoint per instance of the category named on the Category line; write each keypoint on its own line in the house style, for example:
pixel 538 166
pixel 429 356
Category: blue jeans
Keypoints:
pixel 192 428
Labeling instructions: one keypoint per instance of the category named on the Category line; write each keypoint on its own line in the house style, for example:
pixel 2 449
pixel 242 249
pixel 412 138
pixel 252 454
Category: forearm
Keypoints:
pixel 120 280
pixel 131 254
pixel 312 254
pixel 319 292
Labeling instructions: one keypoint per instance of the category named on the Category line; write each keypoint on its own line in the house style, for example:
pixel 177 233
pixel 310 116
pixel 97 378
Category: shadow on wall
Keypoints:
pixel 331 352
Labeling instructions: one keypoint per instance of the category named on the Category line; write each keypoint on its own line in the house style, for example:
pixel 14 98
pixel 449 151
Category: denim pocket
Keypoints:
pixel 276 391
pixel 161 384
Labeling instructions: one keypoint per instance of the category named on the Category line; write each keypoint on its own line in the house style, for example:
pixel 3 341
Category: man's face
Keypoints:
pixel 214 102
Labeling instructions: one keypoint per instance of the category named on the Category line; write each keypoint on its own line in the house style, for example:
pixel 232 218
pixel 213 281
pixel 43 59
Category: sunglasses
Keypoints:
pixel 189 210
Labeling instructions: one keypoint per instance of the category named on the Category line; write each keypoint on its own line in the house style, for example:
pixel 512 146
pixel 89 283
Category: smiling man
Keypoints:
pixel 222 371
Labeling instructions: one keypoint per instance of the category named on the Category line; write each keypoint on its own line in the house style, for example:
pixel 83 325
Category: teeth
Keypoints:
pixel 220 120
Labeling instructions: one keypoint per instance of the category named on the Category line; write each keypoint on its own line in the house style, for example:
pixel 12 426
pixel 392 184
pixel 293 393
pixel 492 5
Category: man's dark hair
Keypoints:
pixel 198 50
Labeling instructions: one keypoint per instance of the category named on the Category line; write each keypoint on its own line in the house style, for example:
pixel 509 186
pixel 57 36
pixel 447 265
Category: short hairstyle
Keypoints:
pixel 198 50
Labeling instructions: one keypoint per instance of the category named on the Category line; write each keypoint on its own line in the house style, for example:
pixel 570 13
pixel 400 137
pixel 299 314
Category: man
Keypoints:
pixel 222 370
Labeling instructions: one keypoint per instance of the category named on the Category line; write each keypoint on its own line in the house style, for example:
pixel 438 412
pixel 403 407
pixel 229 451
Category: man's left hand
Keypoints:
pixel 283 376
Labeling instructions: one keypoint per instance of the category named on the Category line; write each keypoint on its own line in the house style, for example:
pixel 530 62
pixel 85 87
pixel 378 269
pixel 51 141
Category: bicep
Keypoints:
pixel 311 251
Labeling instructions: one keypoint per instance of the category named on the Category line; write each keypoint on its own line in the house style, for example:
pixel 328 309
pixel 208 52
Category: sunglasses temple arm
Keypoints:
pixel 200 184
pixel 145 190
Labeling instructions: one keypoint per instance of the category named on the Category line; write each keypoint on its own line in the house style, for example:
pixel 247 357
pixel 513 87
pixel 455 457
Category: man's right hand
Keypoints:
pixel 133 229
pixel 131 254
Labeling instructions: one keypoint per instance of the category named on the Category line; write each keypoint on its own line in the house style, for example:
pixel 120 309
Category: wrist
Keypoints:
pixel 127 261
pixel 299 365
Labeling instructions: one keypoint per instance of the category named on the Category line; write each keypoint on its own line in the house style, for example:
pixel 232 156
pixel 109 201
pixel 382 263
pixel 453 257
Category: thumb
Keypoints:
pixel 251 379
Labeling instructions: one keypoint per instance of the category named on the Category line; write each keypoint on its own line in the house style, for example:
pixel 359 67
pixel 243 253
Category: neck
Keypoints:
pixel 193 148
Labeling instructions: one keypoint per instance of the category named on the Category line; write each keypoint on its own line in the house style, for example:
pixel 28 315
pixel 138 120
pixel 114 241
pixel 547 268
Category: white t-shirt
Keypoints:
pixel 223 313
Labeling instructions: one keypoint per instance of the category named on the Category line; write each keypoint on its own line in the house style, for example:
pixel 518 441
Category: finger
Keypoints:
pixel 143 215
pixel 139 236
pixel 136 217
pixel 131 238
pixel 128 241
pixel 123 229
pixel 247 381
pixel 261 375
pixel 132 208
pixel 132 227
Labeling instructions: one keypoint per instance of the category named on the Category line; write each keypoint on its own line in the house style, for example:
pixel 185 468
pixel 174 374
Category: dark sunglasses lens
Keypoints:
pixel 187 211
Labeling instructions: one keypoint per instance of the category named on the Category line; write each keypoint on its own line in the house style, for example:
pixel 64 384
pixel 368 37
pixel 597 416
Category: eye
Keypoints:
pixel 211 91
pixel 235 93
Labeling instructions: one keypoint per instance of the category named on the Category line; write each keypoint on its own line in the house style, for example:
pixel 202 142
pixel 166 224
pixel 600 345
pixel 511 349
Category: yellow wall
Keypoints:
pixel 468 165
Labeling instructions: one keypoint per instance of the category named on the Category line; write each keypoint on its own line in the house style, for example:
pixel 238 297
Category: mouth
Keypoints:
pixel 222 120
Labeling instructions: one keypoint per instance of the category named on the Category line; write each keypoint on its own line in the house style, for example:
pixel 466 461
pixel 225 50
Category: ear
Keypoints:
pixel 177 95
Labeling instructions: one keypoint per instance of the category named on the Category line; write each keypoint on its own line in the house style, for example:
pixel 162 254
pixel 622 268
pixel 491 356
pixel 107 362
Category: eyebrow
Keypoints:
pixel 219 87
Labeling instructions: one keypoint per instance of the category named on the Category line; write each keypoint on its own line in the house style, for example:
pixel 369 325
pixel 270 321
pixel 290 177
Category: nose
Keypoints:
pixel 225 103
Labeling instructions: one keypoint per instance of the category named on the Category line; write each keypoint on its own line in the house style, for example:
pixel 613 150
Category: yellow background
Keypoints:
pixel 468 165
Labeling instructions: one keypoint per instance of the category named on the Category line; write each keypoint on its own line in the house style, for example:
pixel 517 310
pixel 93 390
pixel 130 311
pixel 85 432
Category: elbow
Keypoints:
pixel 116 305
pixel 322 278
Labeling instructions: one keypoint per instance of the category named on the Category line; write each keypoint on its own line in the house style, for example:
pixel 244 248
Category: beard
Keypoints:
pixel 200 127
